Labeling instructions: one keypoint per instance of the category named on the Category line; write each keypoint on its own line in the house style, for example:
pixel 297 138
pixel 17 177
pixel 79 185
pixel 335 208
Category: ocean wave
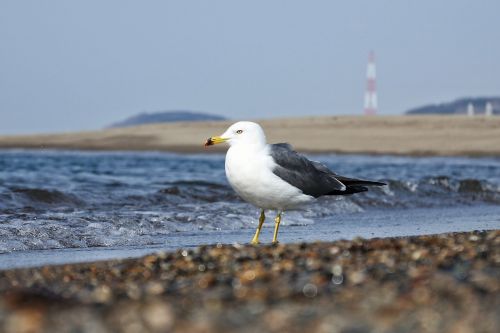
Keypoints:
pixel 63 200
pixel 45 196
pixel 192 206
pixel 201 183
pixel 431 192
pixel 428 191
pixel 37 199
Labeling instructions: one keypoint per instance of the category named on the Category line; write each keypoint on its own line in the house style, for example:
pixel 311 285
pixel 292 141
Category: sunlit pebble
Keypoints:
pixel 184 253
pixel 158 316
pixel 337 279
pixel 310 290
pixel 249 275
pixel 312 264
pixel 219 245
pixel 334 250
pixel 203 283
pixel 473 238
pixel 337 270
pixel 102 294
pixel 133 291
pixel 288 265
pixel 357 277
pixel 416 254
pixel 202 267
pixel 155 288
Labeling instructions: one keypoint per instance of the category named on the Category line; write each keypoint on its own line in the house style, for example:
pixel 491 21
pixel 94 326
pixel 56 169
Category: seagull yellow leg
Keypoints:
pixel 255 239
pixel 277 221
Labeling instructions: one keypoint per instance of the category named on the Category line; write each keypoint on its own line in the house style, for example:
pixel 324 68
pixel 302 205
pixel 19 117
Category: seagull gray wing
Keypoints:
pixel 312 178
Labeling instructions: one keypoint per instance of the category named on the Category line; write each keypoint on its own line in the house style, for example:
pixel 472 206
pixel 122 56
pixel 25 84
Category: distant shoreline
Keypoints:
pixel 392 135
pixel 195 150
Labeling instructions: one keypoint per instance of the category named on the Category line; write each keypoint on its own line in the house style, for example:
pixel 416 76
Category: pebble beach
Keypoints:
pixel 437 283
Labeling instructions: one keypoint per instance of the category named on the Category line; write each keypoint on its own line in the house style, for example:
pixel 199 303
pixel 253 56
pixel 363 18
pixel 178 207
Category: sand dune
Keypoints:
pixel 408 135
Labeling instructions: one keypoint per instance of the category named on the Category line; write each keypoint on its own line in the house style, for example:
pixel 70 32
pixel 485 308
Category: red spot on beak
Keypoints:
pixel 209 142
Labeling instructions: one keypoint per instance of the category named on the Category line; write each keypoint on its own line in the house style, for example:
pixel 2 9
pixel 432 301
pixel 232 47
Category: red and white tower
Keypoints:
pixel 371 87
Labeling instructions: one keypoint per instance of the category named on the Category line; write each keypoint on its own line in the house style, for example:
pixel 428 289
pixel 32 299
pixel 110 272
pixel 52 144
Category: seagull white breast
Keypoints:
pixel 249 170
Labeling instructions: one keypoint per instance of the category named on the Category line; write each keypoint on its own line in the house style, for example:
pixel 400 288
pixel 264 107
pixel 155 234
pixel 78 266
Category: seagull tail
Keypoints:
pixel 353 181
pixel 349 190
pixel 354 185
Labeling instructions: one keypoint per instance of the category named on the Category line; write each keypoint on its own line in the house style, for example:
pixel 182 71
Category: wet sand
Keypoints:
pixel 439 283
pixel 402 135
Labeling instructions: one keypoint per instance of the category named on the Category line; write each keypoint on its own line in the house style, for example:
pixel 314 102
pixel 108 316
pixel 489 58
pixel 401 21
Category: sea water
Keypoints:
pixel 69 206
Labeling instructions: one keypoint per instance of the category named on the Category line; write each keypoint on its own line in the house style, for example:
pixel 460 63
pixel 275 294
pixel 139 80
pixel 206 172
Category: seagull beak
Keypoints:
pixel 215 140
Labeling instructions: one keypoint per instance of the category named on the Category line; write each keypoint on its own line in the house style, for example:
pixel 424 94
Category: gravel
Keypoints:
pixel 438 283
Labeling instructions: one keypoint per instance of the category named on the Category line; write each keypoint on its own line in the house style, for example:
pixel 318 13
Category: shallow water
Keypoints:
pixel 139 201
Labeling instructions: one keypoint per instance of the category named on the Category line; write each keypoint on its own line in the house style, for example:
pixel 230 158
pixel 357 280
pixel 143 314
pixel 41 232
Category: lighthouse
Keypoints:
pixel 371 86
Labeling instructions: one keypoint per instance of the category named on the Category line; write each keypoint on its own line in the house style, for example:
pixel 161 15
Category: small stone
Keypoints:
pixel 102 294
pixel 310 290
pixel 158 316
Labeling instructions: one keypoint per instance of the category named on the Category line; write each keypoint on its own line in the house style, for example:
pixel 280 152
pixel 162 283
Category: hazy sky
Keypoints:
pixel 68 65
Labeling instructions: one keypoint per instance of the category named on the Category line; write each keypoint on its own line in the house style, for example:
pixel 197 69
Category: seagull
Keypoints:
pixel 274 176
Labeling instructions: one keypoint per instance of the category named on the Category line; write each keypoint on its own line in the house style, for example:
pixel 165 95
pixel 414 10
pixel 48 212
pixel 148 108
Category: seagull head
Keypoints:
pixel 242 132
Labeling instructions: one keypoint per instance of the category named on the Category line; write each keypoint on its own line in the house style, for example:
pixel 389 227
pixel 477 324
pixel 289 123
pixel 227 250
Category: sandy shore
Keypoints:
pixel 408 135
pixel 442 283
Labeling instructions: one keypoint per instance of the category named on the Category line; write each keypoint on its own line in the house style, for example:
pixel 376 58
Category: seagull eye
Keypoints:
pixel 239 131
